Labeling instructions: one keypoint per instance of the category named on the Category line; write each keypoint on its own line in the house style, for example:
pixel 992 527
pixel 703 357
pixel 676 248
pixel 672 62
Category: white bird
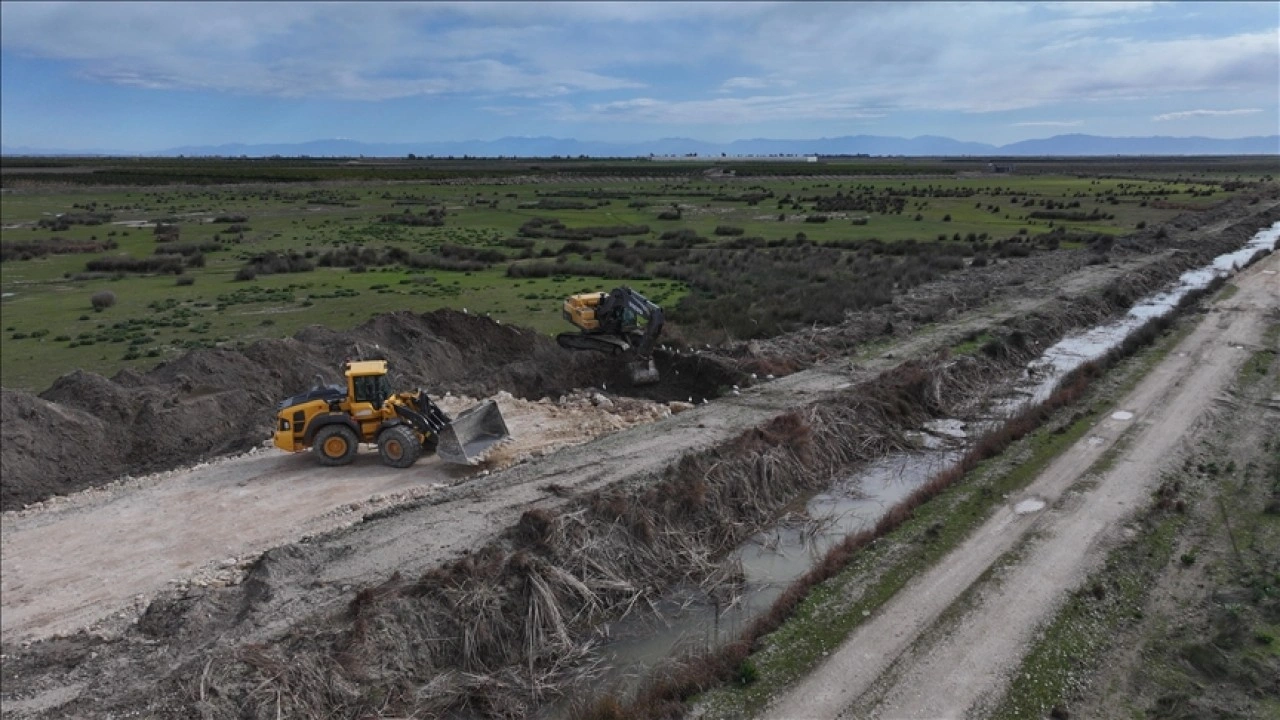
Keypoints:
pixel 603 386
pixel 753 376
pixel 704 401
pixel 769 376
pixel 690 399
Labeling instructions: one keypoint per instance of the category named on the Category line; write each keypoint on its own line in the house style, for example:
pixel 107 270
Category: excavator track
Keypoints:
pixel 607 344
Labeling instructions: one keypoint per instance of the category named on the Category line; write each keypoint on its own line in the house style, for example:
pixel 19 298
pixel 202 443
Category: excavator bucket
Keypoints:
pixel 643 372
pixel 472 434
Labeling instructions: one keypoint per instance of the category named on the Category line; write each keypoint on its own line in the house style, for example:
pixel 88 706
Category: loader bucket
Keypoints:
pixel 643 372
pixel 472 434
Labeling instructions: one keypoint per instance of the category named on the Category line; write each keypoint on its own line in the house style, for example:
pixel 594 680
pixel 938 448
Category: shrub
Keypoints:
pixel 184 280
pixel 155 264
pixel 246 273
pixel 102 300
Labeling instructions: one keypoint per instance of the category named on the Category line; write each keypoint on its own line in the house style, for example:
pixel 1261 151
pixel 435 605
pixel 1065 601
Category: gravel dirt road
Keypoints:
pixel 85 557
pixel 907 663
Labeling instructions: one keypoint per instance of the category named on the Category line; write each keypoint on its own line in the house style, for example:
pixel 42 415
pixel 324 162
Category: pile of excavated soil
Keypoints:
pixel 87 430
pixel 541 426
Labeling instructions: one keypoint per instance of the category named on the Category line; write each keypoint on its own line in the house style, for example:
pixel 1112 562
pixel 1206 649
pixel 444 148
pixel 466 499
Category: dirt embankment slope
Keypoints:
pixel 87 430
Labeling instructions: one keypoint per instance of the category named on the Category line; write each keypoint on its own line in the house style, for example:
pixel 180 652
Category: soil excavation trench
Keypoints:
pixel 899 664
pixel 103 552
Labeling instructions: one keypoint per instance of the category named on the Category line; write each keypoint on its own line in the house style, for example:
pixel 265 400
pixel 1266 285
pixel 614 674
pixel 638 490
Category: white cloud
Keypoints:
pixel 699 62
pixel 743 83
pixel 1204 113
pixel 1094 9
pixel 1049 123
pixel 727 111
pixel 349 51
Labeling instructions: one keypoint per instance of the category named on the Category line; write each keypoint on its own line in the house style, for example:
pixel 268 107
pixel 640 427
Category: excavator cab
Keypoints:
pixel 621 322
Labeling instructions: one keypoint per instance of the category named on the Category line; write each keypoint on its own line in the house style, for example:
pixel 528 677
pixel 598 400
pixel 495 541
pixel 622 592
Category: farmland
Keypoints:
pixel 218 253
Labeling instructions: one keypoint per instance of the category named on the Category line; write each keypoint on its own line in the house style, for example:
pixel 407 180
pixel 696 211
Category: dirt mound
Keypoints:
pixel 87 430
pixel 39 437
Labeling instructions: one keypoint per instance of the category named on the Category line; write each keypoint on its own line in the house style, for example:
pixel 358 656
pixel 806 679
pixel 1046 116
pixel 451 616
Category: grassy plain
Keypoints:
pixel 733 254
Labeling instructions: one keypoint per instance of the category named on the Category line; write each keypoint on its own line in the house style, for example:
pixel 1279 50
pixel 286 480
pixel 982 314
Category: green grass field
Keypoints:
pixel 50 326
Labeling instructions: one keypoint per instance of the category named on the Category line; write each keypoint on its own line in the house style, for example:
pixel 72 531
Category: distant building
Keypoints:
pixel 722 158
pixel 996 168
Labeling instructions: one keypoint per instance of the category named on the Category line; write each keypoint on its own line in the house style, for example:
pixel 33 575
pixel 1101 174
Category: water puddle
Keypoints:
pixel 691 618
pixel 1028 506
pixel 1044 373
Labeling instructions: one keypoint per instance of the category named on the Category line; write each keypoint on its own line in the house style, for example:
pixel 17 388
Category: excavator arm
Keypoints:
pixel 610 323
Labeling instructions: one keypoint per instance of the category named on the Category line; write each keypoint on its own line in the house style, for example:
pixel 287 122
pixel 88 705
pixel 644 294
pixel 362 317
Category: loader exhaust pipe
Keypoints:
pixel 472 434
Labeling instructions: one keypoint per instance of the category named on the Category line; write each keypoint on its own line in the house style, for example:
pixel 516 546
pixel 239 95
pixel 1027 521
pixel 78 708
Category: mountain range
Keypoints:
pixel 922 146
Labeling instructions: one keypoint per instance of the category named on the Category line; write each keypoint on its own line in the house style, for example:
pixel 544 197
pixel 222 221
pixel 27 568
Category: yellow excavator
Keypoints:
pixel 333 420
pixel 620 322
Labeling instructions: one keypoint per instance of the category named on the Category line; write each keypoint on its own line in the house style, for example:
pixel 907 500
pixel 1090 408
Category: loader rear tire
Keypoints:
pixel 399 446
pixel 335 445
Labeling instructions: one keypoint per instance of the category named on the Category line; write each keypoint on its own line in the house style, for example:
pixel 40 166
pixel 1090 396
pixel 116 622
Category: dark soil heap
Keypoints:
pixel 88 430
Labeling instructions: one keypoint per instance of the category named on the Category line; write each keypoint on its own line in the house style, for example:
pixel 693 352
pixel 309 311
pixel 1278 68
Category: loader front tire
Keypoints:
pixel 399 446
pixel 335 445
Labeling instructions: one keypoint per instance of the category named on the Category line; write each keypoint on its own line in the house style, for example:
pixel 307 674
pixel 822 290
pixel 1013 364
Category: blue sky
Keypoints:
pixel 146 76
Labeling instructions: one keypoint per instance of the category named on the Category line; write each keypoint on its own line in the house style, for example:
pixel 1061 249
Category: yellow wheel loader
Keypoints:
pixel 333 420
pixel 620 322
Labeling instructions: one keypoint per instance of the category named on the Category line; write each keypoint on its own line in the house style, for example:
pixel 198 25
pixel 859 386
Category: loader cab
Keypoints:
pixel 367 389
pixel 367 382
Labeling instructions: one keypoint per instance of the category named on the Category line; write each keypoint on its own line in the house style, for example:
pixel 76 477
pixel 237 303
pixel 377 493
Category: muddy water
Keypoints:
pixel 1043 374
pixel 691 618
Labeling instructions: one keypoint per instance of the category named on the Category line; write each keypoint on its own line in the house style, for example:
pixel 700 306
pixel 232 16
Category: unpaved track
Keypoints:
pixel 899 664
pixel 89 555
pixel 100 553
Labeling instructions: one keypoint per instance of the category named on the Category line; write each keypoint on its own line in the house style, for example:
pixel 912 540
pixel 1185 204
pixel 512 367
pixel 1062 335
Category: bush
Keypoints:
pixel 154 264
pixel 184 280
pixel 102 300
pixel 246 273
pixel 274 263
